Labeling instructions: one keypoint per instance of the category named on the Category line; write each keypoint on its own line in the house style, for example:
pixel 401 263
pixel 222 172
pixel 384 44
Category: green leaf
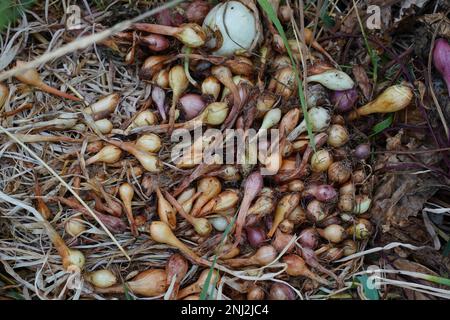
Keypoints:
pixel 379 127
pixel 327 20
pixel 127 292
pixel 268 9
pixel 370 293
pixel 446 251
pixel 11 10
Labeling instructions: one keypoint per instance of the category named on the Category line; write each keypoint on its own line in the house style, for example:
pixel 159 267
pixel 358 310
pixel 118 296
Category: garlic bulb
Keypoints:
pixel 232 28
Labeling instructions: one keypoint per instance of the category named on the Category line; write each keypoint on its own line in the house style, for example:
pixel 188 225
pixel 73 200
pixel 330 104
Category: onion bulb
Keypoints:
pixel 210 187
pixel 319 119
pixel 441 60
pixel 211 87
pixel 333 233
pixel 108 154
pixel 296 267
pixel 394 98
pixel 321 160
pixel 362 229
pixel 166 212
pixel 148 283
pixel 74 227
pixel 104 106
pixel 191 105
pixel 281 291
pixel 149 142
pixel 190 34
pixel 362 204
pixel 198 285
pixel 144 118
pixel 232 28
pixel 126 193
pixel 339 171
pixel 284 207
pixel 263 256
pixel 32 78
pixel 160 232
pixel 333 80
pixel 337 135
pixel 149 161
pixel 104 126
pixel 101 278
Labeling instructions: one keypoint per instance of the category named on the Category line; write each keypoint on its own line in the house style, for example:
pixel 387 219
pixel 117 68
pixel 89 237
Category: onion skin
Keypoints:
pixel 441 60
pixel 4 93
pixel 345 100
pixel 394 98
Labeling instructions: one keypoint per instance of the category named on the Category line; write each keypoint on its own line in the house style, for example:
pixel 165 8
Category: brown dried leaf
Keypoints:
pixel 363 80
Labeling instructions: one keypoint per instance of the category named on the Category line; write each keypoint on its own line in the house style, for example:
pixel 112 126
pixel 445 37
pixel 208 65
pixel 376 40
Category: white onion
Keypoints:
pixel 232 28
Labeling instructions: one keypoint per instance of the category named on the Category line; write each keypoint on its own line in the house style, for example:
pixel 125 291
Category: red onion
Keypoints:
pixel 280 291
pixel 197 11
pixel 169 18
pixel 281 240
pixel 309 238
pixel 155 42
pixel 344 101
pixel 362 151
pixel 441 59
pixel 252 187
pixel 192 105
pixel 323 193
pixel 255 236
pixel 159 97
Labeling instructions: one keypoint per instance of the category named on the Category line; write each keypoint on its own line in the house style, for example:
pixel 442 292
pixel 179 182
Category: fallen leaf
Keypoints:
pixel 363 80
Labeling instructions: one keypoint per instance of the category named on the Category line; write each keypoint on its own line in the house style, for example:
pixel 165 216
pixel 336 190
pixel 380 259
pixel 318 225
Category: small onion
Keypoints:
pixel 441 60
pixel 316 211
pixel 349 247
pixel 280 291
pixel 362 151
pixel 104 126
pixel 101 278
pixel 197 11
pixel 337 136
pixel 333 233
pixel 344 101
pixel 192 105
pixel 309 238
pixel 149 142
pixel 333 80
pixel 255 236
pixel 74 227
pixel 219 223
pixel 321 160
pixel 362 229
pixel 362 204
pixel 255 293
pixel 322 192
pixel 339 172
